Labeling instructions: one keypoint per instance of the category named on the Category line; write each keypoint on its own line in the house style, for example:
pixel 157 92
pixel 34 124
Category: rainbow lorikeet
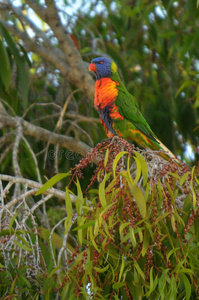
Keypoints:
pixel 118 109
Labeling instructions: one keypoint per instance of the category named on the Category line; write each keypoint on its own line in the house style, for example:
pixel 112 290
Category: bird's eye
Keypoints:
pixel 101 62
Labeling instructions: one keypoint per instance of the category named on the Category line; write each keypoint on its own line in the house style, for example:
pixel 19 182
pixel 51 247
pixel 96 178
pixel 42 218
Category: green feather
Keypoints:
pixel 128 108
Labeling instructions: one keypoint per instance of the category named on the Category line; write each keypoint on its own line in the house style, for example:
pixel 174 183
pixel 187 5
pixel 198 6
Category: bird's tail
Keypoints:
pixel 166 149
pixel 168 155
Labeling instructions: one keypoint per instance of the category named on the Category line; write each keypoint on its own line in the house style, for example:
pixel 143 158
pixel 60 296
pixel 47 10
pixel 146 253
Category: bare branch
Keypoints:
pixel 47 136
pixel 32 184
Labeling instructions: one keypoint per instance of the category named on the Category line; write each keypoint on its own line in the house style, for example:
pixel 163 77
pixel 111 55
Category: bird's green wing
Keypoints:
pixel 128 108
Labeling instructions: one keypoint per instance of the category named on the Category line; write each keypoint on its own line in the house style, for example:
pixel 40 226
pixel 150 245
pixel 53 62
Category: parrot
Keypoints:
pixel 118 109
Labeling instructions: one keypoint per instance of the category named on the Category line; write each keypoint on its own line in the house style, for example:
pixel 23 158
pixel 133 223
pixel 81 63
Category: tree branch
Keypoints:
pixel 79 74
pixel 35 187
pixel 45 135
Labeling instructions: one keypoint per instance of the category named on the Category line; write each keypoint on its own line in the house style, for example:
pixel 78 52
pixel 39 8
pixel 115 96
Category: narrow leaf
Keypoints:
pixel 5 70
pixel 118 285
pixel 139 198
pixel 139 269
pixel 101 270
pixel 186 285
pixel 51 182
pixel 121 268
pixel 185 84
pixel 23 78
pixel 116 160
pixel 146 242
pixel 102 190
pixel 183 178
pixel 22 246
pixel 144 167
pixel 12 221
pixel 192 189
pixel 89 224
pixel 80 199
pixel 106 157
pixel 69 208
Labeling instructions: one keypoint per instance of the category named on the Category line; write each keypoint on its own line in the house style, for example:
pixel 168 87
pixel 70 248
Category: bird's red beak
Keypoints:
pixel 92 67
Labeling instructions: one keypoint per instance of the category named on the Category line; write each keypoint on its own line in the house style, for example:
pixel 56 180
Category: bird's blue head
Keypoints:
pixel 102 67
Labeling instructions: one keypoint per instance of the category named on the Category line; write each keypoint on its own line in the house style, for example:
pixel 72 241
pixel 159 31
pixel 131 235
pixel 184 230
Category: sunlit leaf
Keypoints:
pixel 69 208
pixel 102 190
pixel 102 270
pixel 51 182
pixel 116 160
pixel 145 242
pixel 144 167
pixel 106 157
pixel 139 198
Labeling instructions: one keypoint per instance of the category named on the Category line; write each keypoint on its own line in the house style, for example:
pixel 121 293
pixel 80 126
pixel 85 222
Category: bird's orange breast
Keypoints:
pixel 105 92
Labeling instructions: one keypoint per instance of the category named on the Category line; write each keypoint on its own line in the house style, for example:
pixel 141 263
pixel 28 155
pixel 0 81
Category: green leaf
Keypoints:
pixel 139 198
pixel 5 70
pixel 67 223
pixel 144 167
pixel 80 199
pixel 192 189
pixel 106 157
pixel 22 239
pixel 102 196
pixel 145 242
pixel 69 208
pixel 194 259
pixel 12 221
pixel 183 178
pixel 132 236
pixel 45 234
pixel 187 285
pixel 91 223
pixel 121 268
pixel 51 182
pixel 118 285
pixel 101 270
pixel 23 77
pixel 162 282
pixel 92 239
pixel 122 227
pixel 22 246
pixel 153 283
pixel 54 270
pixel 185 84
pixel 116 160
pixel 139 269
pixel 138 171
pixel 196 103
pixel 171 252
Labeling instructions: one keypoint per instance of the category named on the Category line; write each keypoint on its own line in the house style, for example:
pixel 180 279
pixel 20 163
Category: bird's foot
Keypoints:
pixel 112 139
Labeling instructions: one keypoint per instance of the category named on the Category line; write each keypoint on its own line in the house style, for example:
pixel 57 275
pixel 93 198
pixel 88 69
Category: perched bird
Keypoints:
pixel 118 109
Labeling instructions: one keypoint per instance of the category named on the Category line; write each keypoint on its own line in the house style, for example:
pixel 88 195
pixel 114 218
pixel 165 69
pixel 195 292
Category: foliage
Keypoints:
pixel 129 226
pixel 134 237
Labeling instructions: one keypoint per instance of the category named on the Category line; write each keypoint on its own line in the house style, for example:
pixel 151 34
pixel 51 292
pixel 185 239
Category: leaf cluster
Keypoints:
pixel 137 241
pixel 135 237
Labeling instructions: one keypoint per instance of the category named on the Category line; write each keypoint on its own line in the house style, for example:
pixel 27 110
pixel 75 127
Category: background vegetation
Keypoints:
pixel 88 247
